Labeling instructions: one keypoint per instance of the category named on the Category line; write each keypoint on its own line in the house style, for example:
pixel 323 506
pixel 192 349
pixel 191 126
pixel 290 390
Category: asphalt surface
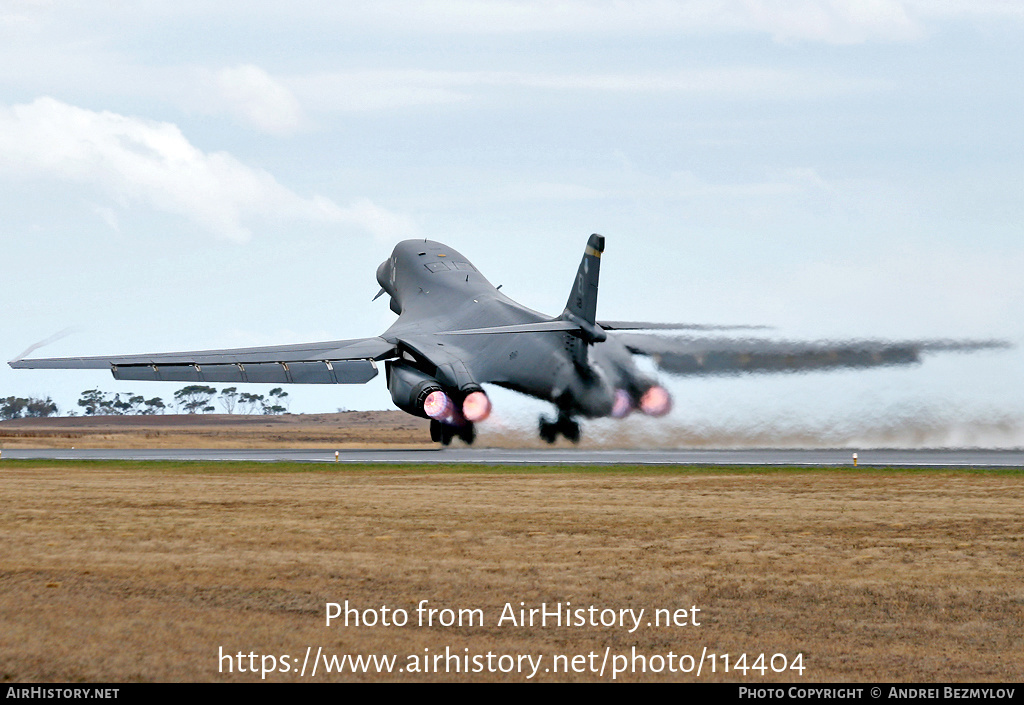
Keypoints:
pixel 559 456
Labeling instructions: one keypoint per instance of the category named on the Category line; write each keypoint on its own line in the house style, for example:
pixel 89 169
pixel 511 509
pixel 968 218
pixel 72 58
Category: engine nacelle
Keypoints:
pixel 418 393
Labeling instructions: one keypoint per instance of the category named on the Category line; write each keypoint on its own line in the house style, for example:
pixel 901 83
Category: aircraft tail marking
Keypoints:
pixel 582 303
pixel 581 308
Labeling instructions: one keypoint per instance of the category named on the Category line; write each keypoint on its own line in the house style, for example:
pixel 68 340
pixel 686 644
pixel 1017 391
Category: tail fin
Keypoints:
pixel 581 308
pixel 583 300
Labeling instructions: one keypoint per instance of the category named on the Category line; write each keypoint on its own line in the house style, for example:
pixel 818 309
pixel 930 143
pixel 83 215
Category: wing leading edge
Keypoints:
pixel 331 362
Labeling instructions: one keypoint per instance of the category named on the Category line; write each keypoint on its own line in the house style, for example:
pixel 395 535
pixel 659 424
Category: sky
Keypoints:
pixel 188 175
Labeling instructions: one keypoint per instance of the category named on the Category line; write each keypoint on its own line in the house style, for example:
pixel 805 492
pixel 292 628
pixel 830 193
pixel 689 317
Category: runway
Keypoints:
pixel 558 456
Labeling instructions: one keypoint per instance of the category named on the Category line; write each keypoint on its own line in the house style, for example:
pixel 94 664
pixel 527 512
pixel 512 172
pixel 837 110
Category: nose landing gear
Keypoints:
pixel 564 426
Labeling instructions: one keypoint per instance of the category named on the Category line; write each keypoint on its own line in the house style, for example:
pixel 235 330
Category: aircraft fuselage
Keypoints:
pixel 435 289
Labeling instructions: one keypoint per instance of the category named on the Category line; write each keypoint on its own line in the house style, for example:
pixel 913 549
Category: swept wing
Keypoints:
pixel 714 356
pixel 330 362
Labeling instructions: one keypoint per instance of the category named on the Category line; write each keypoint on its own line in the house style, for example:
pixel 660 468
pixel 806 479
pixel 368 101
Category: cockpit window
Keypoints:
pixel 437 267
pixel 465 266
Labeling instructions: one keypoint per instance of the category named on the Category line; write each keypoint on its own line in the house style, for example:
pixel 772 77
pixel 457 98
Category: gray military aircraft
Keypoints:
pixel 456 332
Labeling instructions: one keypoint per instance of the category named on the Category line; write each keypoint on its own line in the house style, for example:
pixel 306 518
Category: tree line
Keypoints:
pixel 26 407
pixel 192 399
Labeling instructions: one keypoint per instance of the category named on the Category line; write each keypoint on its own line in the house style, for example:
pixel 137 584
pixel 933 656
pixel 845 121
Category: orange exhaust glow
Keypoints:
pixel 656 401
pixel 438 405
pixel 622 405
pixel 476 407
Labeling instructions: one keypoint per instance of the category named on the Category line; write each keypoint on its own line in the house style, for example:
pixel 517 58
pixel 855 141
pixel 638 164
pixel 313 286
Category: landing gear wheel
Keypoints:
pixel 569 428
pixel 548 430
pixel 563 426
pixel 447 434
pixel 444 433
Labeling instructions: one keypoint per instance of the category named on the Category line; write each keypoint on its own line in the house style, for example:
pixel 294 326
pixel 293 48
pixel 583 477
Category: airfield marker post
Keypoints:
pixel 337 454
pixel 854 460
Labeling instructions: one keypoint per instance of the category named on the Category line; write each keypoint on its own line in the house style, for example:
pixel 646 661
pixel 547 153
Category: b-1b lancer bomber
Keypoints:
pixel 456 332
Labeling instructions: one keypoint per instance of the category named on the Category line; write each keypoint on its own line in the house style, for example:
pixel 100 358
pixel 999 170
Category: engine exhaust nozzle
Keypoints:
pixel 476 407
pixel 656 401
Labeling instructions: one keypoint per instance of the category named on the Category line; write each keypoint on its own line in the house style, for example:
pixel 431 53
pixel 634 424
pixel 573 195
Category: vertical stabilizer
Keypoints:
pixel 583 300
pixel 581 307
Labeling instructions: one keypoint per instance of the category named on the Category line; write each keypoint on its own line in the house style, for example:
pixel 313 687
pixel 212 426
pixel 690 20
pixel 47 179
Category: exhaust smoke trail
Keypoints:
pixel 999 431
pixel 874 422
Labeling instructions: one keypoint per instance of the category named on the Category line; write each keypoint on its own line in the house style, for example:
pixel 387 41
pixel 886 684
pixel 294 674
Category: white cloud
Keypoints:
pixel 356 91
pixel 834 21
pixel 107 215
pixel 783 183
pixel 827 21
pixel 383 224
pixel 250 93
pixel 830 21
pixel 976 9
pixel 136 160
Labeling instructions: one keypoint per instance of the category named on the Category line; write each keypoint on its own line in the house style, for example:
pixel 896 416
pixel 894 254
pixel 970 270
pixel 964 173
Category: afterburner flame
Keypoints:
pixel 476 407
pixel 622 405
pixel 656 401
pixel 438 405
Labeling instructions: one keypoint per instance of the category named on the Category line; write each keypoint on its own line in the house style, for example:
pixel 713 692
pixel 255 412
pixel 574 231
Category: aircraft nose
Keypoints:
pixel 384 274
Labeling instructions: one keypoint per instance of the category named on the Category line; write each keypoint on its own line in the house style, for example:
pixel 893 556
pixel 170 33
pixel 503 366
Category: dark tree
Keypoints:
pixel 12 407
pixel 276 404
pixel 133 405
pixel 194 397
pixel 40 408
pixel 229 399
pixel 17 407
pixel 250 402
pixel 154 406
pixel 92 401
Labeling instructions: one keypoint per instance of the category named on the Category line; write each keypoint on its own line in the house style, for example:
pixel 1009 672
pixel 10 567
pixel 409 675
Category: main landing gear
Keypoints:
pixel 564 426
pixel 444 433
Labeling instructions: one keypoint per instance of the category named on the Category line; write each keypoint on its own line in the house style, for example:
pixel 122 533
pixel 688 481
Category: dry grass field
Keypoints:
pixel 124 572
pixel 342 430
pixel 397 429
